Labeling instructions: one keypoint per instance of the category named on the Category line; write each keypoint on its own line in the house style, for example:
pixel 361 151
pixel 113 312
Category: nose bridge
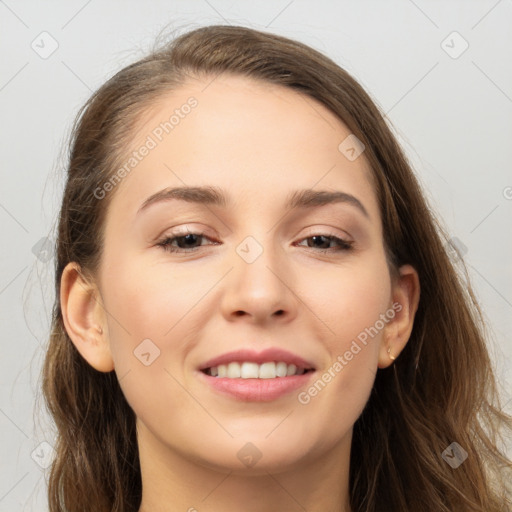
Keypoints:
pixel 258 262
pixel 258 281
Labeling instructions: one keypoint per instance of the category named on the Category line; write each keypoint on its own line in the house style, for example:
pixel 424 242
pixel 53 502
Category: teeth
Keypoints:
pixel 233 371
pixel 291 369
pixel 248 370
pixel 267 371
pixel 281 369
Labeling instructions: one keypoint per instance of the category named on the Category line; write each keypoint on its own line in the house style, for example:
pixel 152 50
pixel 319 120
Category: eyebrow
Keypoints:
pixel 210 195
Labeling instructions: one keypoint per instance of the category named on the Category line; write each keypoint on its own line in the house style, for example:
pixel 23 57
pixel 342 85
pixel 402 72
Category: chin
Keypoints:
pixel 256 455
pixel 268 463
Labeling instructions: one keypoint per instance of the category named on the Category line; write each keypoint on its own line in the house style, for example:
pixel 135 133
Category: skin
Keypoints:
pixel 258 142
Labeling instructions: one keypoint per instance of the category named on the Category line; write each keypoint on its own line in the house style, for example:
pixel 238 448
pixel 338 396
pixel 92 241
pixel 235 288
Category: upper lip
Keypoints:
pixel 270 354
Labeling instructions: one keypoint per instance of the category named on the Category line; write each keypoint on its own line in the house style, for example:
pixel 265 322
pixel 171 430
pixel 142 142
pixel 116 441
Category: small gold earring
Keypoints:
pixel 390 356
pixel 100 330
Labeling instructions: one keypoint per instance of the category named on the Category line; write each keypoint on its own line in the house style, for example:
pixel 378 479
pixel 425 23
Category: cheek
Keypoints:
pixel 356 309
pixel 355 300
pixel 134 314
pixel 144 310
pixel 144 300
pixel 154 314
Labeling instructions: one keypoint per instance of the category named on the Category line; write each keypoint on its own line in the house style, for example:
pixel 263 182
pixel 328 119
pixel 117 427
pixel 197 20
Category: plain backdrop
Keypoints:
pixel 440 71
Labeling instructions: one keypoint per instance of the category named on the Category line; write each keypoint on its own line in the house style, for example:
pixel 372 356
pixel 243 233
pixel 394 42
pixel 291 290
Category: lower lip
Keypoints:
pixel 256 390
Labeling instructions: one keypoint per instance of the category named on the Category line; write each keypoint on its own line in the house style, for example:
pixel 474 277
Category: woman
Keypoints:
pixel 316 350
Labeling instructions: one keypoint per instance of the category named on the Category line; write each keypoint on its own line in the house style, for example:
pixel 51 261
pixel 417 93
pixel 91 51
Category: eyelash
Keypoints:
pixel 165 243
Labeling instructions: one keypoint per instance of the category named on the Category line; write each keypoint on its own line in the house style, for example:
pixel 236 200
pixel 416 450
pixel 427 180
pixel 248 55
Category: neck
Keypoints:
pixel 174 483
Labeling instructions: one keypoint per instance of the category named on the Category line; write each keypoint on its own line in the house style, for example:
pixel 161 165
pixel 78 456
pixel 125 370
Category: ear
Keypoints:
pixel 406 296
pixel 84 318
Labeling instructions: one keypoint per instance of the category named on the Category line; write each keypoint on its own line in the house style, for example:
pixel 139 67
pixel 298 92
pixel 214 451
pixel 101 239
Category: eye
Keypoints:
pixel 343 245
pixel 187 242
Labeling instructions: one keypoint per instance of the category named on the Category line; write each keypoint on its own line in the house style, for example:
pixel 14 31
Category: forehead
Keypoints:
pixel 257 139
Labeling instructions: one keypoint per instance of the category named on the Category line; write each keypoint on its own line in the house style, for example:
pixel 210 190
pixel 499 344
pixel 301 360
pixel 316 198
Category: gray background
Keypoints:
pixel 452 111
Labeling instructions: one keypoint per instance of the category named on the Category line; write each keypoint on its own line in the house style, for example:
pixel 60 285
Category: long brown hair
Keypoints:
pixel 440 390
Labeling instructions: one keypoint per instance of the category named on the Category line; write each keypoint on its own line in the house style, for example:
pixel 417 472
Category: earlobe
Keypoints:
pixel 84 319
pixel 406 295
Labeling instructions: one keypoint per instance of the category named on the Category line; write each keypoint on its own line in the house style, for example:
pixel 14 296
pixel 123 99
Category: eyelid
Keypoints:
pixel 332 231
pixel 343 244
pixel 186 229
pixel 203 231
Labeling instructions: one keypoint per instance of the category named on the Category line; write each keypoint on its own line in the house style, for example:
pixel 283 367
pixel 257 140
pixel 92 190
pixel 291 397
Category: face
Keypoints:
pixel 304 288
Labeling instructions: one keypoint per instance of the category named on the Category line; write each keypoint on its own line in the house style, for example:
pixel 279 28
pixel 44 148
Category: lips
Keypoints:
pixel 250 370
pixel 270 355
pixel 268 386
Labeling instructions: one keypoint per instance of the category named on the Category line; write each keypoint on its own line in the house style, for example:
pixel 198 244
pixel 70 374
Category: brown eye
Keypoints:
pixel 186 242
pixel 323 240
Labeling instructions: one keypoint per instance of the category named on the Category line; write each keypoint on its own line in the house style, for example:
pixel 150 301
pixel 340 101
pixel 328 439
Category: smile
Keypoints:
pixel 251 370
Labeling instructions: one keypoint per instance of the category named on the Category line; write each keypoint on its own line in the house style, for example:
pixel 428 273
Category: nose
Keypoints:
pixel 261 290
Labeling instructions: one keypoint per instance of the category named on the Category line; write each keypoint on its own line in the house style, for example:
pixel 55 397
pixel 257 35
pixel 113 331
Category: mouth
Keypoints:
pixel 252 370
pixel 256 377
